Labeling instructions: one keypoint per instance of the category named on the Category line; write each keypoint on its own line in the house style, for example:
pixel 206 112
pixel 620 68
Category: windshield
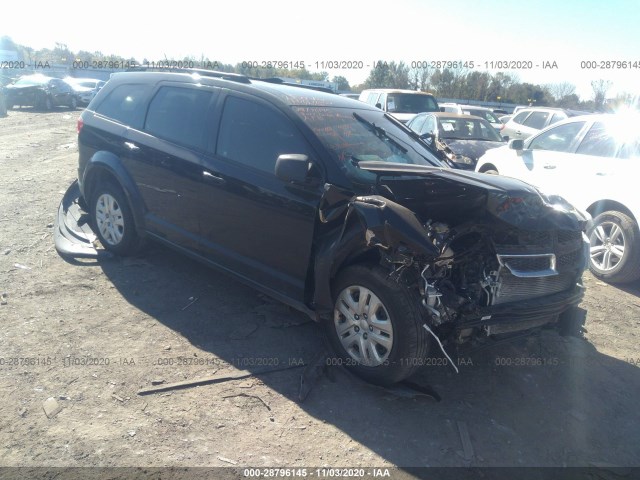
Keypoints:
pixel 364 135
pixel 410 103
pixel 457 128
pixel 486 114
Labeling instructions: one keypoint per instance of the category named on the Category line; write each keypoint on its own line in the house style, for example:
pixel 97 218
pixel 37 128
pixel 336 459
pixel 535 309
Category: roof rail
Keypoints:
pixel 234 77
pixel 279 81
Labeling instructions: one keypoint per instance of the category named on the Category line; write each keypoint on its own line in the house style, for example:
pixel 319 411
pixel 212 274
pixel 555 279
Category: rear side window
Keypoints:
pixel 255 135
pixel 178 115
pixel 519 118
pixel 537 120
pixel 125 104
pixel 598 142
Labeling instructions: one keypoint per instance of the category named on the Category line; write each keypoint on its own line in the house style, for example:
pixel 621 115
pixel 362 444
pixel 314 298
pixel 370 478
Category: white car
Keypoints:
pixel 85 88
pixel 593 161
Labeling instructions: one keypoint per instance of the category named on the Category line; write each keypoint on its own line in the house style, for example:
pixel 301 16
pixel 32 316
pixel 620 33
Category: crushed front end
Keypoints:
pixel 486 256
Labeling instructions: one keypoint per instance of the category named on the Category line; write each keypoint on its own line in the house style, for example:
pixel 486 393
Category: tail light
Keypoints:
pixel 79 125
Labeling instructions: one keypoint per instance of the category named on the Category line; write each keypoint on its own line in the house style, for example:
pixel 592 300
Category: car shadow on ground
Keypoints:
pixel 545 400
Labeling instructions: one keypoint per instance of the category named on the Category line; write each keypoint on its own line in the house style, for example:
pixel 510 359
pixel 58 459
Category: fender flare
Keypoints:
pixel 107 163
pixel 370 223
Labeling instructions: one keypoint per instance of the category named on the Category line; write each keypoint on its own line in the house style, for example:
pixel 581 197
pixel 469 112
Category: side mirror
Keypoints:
pixel 428 135
pixel 378 105
pixel 516 144
pixel 292 167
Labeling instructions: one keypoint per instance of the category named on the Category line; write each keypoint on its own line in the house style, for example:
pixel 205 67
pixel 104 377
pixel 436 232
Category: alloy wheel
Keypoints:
pixel 607 245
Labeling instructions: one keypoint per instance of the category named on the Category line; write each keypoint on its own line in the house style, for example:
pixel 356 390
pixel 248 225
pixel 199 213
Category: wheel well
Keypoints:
pixel 605 205
pixel 486 167
pixel 98 175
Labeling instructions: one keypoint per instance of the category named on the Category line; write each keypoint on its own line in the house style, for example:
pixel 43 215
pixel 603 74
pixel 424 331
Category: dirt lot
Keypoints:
pixel 547 400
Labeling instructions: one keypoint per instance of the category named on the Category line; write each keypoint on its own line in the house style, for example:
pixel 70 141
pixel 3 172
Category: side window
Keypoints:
pixel 558 139
pixel 373 98
pixel 178 115
pixel 536 120
pixel 519 118
pixel 598 142
pixel 416 124
pixel 429 126
pixel 255 135
pixel 557 117
pixel 124 104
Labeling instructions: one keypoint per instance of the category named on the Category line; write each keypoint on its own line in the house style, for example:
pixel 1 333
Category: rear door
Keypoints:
pixel 254 223
pixel 165 158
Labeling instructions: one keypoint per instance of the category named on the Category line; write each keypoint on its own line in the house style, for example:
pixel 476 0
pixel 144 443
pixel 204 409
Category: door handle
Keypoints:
pixel 210 177
pixel 131 146
pixel 549 166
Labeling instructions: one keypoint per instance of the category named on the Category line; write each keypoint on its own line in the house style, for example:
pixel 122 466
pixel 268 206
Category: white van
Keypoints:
pixel 402 104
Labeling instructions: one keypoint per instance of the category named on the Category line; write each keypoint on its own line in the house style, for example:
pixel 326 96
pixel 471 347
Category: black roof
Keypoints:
pixel 289 93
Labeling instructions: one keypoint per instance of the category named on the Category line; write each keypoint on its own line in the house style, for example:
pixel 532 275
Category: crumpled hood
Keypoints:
pixel 456 194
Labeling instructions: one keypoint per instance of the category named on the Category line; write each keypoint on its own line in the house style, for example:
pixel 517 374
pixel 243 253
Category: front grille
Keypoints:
pixel 514 288
pixel 532 263
pixel 537 264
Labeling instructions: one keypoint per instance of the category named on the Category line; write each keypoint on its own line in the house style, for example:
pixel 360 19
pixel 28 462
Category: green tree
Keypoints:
pixel 342 83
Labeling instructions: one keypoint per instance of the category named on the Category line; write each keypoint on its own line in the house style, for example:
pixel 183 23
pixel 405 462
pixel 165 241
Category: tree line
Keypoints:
pixel 457 83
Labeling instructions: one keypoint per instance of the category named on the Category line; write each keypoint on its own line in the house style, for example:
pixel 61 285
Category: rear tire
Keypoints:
pixel 491 171
pixel 615 247
pixel 112 219
pixel 376 329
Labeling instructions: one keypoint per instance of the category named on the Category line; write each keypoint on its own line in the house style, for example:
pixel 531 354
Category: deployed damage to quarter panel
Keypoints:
pixel 484 256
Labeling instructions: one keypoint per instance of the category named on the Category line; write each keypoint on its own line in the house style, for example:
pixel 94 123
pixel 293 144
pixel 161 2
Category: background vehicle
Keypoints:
pixel 462 138
pixel 3 106
pixel 481 112
pixel 85 88
pixel 402 104
pixel 42 92
pixel 329 205
pixel 529 121
pixel 594 162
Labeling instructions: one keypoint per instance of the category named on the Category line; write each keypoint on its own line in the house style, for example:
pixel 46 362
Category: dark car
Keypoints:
pixel 460 138
pixel 331 206
pixel 3 104
pixel 42 92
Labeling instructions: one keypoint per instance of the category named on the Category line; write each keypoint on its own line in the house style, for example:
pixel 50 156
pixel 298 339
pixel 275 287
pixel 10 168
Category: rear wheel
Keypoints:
pixel 48 103
pixel 615 247
pixel 376 330
pixel 490 171
pixel 113 220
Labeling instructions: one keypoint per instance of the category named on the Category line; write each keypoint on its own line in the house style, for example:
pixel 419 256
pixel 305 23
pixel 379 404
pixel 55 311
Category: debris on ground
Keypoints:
pixel 246 395
pixel 51 407
pixel 227 460
pixel 467 446
pixel 243 331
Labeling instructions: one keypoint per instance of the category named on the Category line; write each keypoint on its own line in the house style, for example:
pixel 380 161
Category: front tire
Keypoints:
pixel 113 220
pixel 73 103
pixel 615 247
pixel 376 330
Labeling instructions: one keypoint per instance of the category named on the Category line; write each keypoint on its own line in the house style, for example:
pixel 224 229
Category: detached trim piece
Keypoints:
pixel 72 233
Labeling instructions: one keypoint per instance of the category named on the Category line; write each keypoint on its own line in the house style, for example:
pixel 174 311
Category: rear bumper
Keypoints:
pixel 72 233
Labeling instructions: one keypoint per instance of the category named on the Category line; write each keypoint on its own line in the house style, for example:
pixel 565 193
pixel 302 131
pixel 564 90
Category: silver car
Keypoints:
pixel 530 121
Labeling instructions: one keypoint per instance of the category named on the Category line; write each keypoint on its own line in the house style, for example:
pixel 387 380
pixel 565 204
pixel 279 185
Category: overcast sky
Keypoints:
pixel 566 32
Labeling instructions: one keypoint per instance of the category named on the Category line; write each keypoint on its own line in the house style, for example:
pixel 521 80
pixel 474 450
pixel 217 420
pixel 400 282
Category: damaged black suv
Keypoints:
pixel 331 206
